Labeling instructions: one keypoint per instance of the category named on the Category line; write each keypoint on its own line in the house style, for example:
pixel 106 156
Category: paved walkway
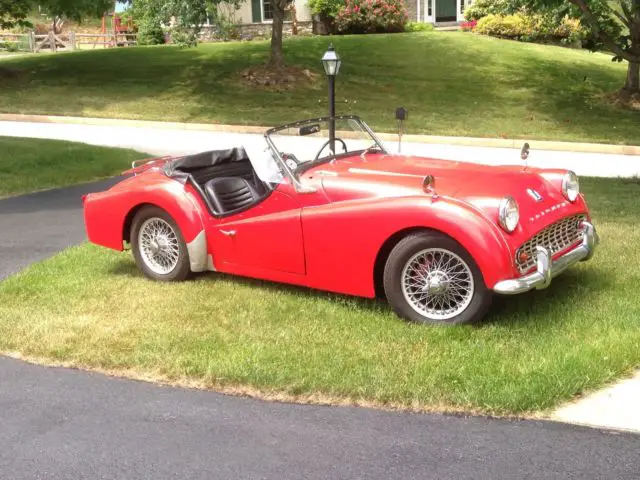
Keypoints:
pixel 616 407
pixel 179 141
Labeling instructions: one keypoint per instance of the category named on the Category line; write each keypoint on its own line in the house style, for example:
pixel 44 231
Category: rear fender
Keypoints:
pixel 109 215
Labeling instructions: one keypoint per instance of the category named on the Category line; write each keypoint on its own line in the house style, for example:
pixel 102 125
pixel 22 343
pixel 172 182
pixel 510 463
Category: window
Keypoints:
pixel 267 10
pixel 429 8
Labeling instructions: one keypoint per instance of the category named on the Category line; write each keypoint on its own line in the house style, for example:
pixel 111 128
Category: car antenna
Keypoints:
pixel 401 115
pixel 524 154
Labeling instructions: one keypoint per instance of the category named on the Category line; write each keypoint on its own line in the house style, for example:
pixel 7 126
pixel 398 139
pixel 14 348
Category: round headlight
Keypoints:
pixel 508 214
pixel 570 186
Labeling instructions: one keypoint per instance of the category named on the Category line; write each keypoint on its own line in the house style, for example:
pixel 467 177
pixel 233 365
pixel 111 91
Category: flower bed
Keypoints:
pixel 372 16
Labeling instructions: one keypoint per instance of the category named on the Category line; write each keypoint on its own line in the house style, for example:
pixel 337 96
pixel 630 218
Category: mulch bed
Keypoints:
pixel 285 78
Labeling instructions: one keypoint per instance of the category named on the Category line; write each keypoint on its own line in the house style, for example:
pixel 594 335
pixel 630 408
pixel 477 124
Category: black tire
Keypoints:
pixel 182 268
pixel 414 244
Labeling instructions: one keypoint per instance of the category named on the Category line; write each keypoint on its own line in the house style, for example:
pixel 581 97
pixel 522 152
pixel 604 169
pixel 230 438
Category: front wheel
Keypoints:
pixel 430 278
pixel 158 247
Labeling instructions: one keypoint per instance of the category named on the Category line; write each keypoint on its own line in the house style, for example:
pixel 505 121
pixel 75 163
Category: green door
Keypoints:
pixel 445 10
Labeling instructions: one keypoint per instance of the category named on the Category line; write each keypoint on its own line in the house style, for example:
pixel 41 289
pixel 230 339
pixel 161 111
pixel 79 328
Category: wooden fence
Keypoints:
pixel 30 42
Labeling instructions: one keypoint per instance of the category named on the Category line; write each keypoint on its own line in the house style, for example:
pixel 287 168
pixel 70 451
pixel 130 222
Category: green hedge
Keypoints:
pixel 532 28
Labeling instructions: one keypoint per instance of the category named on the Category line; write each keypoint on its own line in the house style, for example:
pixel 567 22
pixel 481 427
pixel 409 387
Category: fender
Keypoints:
pixel 108 214
pixel 341 246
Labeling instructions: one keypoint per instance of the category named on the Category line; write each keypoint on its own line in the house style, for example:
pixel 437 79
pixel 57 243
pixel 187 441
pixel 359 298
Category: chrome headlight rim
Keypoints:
pixel 570 186
pixel 507 205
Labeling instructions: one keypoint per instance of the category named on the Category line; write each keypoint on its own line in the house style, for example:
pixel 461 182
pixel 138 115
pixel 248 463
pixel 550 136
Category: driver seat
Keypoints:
pixel 229 194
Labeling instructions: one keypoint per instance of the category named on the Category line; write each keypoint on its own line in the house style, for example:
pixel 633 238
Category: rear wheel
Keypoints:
pixel 430 278
pixel 158 247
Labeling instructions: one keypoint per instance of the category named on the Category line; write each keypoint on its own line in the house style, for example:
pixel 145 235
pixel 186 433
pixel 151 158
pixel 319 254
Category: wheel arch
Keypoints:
pixel 191 227
pixel 128 220
pixel 490 266
pixel 385 251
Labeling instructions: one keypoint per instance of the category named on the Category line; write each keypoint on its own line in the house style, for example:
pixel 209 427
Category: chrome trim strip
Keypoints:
pixel 547 269
pixel 197 249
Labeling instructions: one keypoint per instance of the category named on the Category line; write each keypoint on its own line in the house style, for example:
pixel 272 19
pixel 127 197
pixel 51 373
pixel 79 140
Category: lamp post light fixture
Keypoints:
pixel 331 63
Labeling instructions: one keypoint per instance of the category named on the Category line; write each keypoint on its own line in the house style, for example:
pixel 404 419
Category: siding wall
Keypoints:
pixel 244 13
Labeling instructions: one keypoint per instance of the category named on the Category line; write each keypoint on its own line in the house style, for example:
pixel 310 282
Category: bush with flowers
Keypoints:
pixel 469 26
pixel 372 16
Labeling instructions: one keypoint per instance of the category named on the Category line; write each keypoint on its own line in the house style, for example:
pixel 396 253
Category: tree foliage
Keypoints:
pixel 614 25
pixel 14 12
pixel 185 18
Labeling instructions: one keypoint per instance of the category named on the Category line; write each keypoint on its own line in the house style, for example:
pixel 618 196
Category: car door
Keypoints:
pixel 266 237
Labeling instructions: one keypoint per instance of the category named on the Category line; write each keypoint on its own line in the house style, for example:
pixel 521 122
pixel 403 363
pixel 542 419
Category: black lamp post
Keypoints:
pixel 331 63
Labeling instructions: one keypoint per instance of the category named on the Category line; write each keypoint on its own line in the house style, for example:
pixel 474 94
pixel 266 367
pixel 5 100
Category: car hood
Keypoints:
pixel 483 186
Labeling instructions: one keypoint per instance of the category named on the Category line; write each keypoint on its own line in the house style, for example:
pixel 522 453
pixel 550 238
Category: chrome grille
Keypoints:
pixel 555 238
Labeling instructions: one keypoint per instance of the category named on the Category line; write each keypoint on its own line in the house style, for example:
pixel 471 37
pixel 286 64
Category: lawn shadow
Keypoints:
pixel 127 268
pixel 533 306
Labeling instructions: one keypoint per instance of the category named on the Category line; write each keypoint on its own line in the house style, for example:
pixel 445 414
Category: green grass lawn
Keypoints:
pixel 452 83
pixel 90 307
pixel 30 164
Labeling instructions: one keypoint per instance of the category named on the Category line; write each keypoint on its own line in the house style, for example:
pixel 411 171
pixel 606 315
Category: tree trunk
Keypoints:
pixel 633 78
pixel 277 57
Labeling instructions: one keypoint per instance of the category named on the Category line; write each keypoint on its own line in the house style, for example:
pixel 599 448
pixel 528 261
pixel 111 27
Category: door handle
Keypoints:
pixel 228 233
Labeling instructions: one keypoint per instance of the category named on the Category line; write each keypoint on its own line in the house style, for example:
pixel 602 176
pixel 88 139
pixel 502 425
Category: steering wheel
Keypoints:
pixel 344 145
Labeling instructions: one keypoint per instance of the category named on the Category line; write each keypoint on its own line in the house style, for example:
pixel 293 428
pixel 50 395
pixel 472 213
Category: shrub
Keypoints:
pixel 328 8
pixel 482 8
pixel 510 26
pixel 9 46
pixel 150 32
pixel 372 16
pixel 532 28
pixel 419 27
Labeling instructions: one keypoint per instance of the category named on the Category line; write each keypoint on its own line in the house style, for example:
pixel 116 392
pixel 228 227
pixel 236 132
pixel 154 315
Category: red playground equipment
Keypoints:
pixel 116 31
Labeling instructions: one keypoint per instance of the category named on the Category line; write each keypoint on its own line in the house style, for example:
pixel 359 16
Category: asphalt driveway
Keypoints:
pixel 68 424
pixel 36 226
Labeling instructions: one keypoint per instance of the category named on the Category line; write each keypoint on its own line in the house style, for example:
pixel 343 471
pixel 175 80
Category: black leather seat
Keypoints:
pixel 229 194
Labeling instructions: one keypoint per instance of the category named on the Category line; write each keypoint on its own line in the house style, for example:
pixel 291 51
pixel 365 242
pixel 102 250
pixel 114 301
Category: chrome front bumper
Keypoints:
pixel 548 268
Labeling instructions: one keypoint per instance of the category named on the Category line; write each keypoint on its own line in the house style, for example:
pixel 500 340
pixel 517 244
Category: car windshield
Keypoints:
pixel 302 143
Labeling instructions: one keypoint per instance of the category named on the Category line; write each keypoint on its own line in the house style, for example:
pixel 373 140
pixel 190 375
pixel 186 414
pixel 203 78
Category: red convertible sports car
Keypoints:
pixel 337 212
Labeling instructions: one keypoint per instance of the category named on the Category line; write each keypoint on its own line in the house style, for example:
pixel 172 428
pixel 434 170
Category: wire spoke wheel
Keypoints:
pixel 158 246
pixel 437 284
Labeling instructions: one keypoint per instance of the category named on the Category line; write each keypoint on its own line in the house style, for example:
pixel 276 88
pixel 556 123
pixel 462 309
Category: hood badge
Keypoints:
pixel 535 195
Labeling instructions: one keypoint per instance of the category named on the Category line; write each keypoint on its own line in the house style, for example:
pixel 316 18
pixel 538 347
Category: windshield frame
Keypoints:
pixel 294 174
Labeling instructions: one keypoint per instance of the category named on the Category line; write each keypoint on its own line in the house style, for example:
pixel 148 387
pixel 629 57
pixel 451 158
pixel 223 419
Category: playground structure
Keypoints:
pixel 116 32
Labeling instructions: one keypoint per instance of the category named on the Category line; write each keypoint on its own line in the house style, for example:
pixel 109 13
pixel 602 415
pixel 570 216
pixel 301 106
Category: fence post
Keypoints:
pixel 32 42
pixel 72 40
pixel 52 41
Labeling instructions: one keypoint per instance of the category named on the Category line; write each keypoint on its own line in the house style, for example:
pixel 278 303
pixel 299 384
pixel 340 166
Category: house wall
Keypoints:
pixel 245 15
pixel 412 10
